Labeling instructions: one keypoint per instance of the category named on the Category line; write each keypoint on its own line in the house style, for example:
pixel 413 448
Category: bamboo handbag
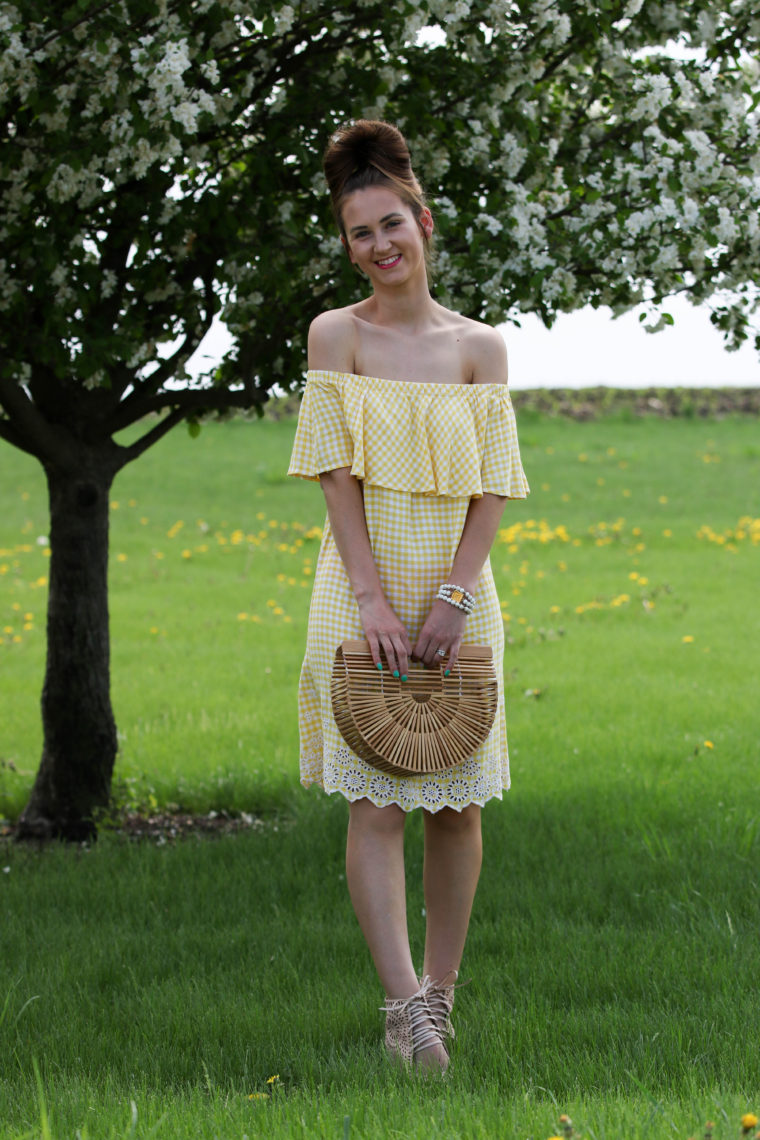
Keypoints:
pixel 414 727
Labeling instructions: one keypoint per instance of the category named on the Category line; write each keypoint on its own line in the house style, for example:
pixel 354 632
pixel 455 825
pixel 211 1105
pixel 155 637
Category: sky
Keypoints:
pixel 588 348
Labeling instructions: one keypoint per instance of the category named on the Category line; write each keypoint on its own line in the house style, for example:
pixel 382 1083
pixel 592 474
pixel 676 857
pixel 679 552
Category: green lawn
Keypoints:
pixel 613 950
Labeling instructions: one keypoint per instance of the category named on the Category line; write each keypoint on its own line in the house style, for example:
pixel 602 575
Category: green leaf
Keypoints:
pixel 193 429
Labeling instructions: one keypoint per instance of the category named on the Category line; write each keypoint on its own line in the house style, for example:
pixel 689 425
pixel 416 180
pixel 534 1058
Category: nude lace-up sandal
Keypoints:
pixel 411 1027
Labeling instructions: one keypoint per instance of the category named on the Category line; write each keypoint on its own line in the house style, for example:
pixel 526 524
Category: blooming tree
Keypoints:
pixel 160 164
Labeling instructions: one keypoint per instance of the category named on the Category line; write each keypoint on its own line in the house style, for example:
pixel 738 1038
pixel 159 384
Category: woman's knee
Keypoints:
pixel 369 817
pixel 452 822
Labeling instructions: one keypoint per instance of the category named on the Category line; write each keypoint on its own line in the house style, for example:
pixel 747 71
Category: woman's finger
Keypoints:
pixel 374 649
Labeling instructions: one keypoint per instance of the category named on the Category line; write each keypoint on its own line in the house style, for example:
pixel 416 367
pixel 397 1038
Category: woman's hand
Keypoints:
pixel 443 629
pixel 386 635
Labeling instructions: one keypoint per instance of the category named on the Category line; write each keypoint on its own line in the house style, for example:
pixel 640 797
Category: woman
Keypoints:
pixel 406 422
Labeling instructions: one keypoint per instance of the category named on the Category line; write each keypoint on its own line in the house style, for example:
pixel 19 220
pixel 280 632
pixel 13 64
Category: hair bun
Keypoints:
pixel 370 142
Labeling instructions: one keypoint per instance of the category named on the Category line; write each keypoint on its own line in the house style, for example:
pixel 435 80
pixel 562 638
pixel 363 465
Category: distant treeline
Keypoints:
pixel 591 403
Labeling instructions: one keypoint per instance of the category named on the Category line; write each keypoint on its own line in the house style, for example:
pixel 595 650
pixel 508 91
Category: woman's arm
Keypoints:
pixel 332 347
pixel 382 628
pixel 445 625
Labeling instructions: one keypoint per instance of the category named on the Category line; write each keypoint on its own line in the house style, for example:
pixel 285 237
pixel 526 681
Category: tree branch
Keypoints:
pixel 35 434
pixel 200 400
pixel 9 433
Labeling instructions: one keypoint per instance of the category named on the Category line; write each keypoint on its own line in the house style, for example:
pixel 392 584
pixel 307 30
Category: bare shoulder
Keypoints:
pixel 332 341
pixel 484 352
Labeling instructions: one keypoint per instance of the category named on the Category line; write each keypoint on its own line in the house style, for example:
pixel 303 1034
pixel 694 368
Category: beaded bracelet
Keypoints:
pixel 457 596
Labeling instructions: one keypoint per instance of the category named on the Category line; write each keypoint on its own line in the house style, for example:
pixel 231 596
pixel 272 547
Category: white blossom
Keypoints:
pixel 726 229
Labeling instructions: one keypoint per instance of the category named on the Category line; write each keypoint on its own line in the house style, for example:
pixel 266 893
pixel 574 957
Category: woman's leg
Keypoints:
pixel 375 876
pixel 376 883
pixel 453 856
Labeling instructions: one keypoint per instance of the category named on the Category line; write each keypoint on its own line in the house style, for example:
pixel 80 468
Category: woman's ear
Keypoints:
pixel 426 222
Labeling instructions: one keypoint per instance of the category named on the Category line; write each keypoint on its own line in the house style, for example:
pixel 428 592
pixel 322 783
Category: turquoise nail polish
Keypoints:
pixel 380 666
pixel 446 672
pixel 404 677
pixel 395 673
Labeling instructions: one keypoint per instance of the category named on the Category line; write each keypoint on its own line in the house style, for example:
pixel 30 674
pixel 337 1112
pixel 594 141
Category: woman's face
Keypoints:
pixel 383 237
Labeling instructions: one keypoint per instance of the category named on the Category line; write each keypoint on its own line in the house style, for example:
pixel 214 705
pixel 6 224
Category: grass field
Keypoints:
pixel 153 990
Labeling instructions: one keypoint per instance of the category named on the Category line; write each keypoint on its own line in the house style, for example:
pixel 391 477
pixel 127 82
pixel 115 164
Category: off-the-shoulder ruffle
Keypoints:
pixel 457 440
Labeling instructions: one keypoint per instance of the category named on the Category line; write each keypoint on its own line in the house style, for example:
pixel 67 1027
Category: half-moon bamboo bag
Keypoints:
pixel 424 724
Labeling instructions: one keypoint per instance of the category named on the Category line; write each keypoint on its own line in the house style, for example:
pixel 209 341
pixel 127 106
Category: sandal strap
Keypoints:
pixel 424 1029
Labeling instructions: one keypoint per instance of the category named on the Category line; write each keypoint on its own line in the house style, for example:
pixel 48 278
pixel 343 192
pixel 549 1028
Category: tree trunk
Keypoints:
pixel 79 749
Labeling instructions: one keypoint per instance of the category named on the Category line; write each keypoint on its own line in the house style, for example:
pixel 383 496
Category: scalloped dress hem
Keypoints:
pixel 313 782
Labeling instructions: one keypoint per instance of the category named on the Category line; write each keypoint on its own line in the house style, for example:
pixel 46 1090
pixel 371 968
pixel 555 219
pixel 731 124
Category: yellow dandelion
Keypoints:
pixel 154 629
pixel 565 498
pixel 271 1080
pixel 667 533
pixel 187 554
pixel 687 638
pixel 749 1121
pixel 242 617
pixel 28 617
pixel 546 487
pixel 626 494
pixel 114 505
pixel 583 458
pixel 41 582
pixel 554 609
pixel 643 581
pixel 278 610
pixel 121 558
pixel 708 744
pixel 258 1096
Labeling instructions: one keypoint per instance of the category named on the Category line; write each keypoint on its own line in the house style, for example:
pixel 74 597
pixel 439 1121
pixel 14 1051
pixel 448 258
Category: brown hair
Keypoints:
pixel 369 152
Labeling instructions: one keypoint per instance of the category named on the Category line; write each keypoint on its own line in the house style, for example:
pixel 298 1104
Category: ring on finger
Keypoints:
pixel 440 652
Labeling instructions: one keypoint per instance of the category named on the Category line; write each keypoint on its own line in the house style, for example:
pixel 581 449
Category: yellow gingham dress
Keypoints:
pixel 422 451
